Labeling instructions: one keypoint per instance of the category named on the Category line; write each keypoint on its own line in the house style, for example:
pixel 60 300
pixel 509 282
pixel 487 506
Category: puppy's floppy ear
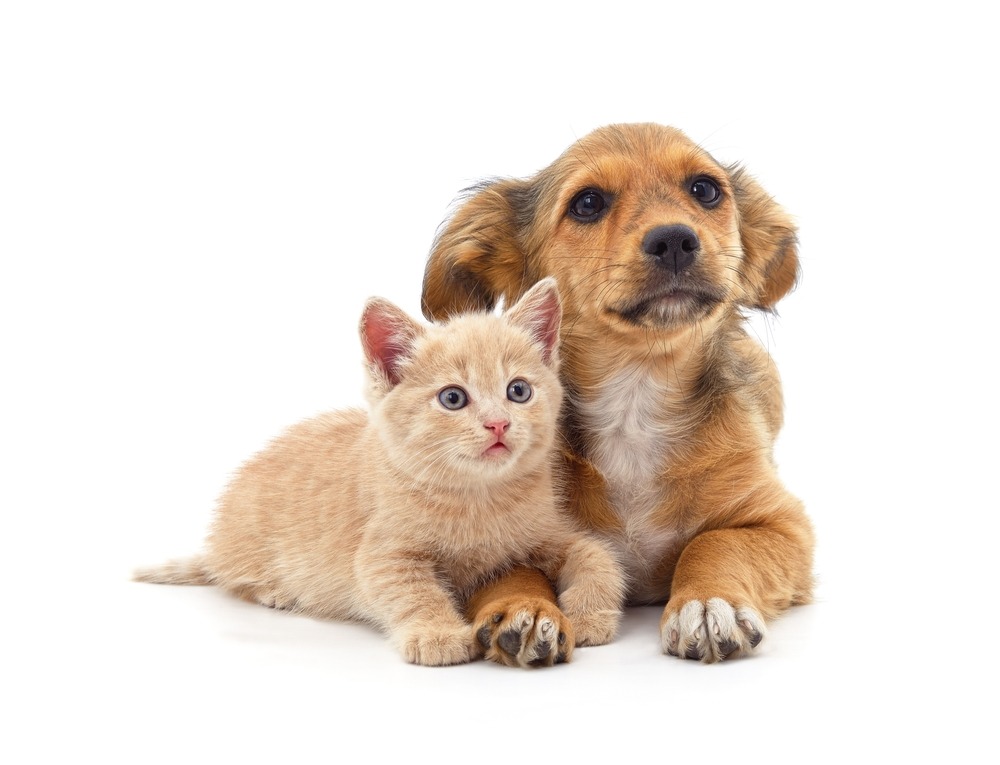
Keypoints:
pixel 477 256
pixel 770 245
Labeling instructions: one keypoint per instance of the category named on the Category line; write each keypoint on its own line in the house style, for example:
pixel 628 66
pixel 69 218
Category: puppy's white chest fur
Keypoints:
pixel 626 438
pixel 629 437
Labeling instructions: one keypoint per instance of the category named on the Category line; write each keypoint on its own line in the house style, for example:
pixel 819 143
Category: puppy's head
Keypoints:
pixel 644 231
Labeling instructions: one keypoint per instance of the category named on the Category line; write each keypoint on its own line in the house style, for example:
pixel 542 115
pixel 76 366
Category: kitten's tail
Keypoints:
pixel 179 571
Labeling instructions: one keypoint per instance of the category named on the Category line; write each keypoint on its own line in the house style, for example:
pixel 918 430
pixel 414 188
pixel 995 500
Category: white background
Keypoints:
pixel 197 197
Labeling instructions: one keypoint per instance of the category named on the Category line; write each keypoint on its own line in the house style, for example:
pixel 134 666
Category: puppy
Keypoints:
pixel 672 409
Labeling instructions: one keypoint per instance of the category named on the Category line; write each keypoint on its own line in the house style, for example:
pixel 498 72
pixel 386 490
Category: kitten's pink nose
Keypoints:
pixel 499 427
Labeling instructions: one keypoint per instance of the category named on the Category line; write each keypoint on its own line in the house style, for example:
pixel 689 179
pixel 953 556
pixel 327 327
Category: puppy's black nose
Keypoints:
pixel 672 247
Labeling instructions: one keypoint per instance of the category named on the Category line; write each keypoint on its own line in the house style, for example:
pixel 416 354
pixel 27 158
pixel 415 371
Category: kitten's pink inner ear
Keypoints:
pixel 549 315
pixel 388 335
pixel 540 311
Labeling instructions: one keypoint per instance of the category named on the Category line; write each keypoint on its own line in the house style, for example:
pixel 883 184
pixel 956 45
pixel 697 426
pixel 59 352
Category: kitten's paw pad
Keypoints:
pixel 436 646
pixel 530 634
pixel 596 627
pixel 710 631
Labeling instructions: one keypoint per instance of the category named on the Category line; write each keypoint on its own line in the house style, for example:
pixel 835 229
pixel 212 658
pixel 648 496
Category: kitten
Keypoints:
pixel 396 517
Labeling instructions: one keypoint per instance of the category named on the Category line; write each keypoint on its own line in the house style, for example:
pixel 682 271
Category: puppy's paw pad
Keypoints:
pixel 526 633
pixel 711 630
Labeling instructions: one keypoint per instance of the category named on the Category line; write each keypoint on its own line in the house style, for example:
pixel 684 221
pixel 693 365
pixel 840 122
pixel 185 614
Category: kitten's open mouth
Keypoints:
pixel 496 449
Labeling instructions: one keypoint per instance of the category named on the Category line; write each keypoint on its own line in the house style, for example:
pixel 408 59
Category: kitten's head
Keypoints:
pixel 468 401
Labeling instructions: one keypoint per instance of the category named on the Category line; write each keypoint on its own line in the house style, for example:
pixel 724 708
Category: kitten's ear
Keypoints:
pixel 540 311
pixel 388 335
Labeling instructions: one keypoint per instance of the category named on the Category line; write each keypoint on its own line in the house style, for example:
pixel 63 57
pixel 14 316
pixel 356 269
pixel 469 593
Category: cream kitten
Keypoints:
pixel 397 516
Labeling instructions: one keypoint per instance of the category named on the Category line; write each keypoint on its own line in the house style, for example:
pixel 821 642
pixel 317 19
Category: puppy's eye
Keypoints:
pixel 453 398
pixel 519 391
pixel 588 205
pixel 706 191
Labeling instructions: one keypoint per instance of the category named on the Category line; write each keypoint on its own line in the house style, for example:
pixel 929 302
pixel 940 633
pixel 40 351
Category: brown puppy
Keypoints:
pixel 672 409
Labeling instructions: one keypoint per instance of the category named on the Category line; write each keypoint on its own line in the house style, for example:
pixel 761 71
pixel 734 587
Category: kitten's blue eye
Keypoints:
pixel 519 391
pixel 453 398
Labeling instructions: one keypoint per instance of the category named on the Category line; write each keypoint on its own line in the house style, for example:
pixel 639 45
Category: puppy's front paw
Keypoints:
pixel 710 631
pixel 524 632
pixel 436 645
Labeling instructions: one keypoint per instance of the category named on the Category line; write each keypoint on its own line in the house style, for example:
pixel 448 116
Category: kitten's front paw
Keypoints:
pixel 710 631
pixel 436 645
pixel 524 632
pixel 596 627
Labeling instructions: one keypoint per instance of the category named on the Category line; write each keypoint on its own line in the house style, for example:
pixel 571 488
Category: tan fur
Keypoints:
pixel 672 409
pixel 398 516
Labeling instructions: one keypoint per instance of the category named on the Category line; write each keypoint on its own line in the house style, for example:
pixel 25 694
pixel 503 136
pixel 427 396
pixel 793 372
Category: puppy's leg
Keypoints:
pixel 518 622
pixel 729 581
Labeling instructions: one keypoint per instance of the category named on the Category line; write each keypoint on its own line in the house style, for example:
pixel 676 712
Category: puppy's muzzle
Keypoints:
pixel 671 247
